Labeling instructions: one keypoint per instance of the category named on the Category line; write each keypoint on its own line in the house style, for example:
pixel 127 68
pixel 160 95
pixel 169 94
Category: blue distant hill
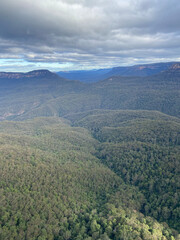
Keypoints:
pixel 85 75
pixel 89 76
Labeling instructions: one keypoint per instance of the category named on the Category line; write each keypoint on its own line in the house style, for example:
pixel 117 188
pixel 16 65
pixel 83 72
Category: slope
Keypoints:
pixel 46 94
pixel 22 93
pixel 159 92
pixel 142 70
pixel 142 147
pixel 53 187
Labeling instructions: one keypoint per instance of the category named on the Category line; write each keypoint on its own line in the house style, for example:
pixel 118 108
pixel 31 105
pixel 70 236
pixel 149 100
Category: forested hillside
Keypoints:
pixel 54 185
pixel 142 147
pixel 42 93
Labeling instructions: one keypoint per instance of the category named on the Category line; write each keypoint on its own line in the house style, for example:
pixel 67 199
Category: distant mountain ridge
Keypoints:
pixel 96 74
pixel 88 76
pixel 31 74
pixel 142 70
pixel 43 93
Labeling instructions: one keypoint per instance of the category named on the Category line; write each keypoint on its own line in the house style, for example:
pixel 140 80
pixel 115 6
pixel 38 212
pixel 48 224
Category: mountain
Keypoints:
pixel 52 95
pixel 25 92
pixel 10 79
pixel 33 74
pixel 140 70
pixel 89 76
pixel 158 92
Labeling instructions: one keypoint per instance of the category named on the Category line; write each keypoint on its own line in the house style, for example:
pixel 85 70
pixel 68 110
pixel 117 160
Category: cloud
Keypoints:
pixel 89 32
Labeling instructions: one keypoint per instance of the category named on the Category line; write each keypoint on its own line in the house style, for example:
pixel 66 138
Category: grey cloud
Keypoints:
pixel 89 31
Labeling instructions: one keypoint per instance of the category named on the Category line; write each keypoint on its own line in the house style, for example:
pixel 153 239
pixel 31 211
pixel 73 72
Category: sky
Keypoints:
pixel 87 34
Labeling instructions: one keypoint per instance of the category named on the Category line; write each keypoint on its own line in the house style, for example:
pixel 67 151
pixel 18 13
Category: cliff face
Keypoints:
pixel 32 74
pixel 140 70
pixel 11 75
pixel 175 67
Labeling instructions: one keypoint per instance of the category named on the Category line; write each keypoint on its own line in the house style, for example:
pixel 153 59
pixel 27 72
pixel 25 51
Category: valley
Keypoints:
pixel 90 161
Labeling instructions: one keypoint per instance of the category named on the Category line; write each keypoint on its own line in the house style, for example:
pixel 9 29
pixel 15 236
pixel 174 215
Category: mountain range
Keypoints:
pixel 43 93
pixel 96 161
pixel 90 76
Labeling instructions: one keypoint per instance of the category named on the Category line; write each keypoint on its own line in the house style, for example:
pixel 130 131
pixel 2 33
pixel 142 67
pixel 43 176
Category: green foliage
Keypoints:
pixel 142 147
pixel 52 186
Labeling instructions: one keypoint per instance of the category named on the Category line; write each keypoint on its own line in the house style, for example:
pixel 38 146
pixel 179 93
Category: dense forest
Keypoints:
pixel 143 148
pixel 74 179
pixel 92 161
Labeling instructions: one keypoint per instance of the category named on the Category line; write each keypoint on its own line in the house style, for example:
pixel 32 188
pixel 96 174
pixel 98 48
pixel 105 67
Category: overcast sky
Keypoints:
pixel 85 34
